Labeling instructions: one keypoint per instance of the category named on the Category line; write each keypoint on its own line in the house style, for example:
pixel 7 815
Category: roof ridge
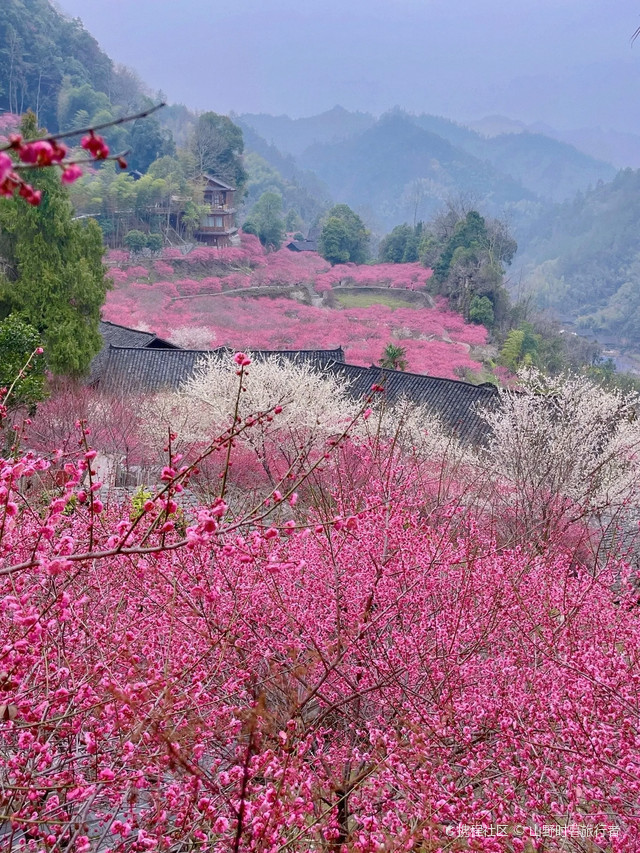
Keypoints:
pixel 127 328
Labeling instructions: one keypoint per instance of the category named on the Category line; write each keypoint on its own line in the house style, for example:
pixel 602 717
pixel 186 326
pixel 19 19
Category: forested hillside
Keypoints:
pixel 43 56
pixel 584 258
pixel 271 171
pixel 51 65
pixel 395 171
pixel 551 169
pixel 509 169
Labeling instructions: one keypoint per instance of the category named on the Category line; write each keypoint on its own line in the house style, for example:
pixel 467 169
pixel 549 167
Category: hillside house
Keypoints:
pixel 302 245
pixel 218 225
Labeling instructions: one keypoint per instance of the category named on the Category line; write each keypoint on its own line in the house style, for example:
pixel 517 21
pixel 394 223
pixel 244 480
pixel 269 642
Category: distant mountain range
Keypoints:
pixel 402 167
pixel 574 218
pixel 620 149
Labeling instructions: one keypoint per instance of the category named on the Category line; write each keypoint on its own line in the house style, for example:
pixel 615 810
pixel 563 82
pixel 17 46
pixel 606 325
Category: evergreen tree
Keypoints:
pixel 265 220
pixel 53 271
pixel 402 245
pixel 344 238
pixel 481 311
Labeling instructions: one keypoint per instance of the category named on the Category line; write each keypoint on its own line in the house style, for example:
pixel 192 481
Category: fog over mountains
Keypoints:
pixel 540 105
pixel 404 167
pixel 567 63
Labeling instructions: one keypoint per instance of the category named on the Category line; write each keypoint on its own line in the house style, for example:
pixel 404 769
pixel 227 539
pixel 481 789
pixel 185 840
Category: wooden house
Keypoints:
pixel 218 224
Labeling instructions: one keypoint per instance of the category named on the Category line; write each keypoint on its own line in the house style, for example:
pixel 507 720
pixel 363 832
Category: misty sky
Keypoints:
pixel 569 63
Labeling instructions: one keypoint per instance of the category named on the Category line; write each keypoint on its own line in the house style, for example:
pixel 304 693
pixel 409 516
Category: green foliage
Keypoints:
pixel 265 220
pixel 20 365
pixel 135 241
pixel 334 241
pixel 521 348
pixel 250 227
pixel 469 235
pixel 481 311
pixel 72 505
pixel 54 273
pixel 77 105
pixel 344 238
pixel 138 500
pixel 148 142
pixel 155 198
pixel 192 217
pixel 468 254
pixel 604 373
pixel 394 357
pixel 41 53
pixel 154 242
pixel 401 246
pixel 511 351
pixel 217 146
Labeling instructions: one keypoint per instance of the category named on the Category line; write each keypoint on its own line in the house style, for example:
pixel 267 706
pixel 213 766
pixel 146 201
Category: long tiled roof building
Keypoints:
pixel 134 362
pixel 131 369
pixel 122 336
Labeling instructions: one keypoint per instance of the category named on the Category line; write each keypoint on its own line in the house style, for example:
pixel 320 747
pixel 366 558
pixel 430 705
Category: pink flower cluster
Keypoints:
pixel 437 341
pixel 42 153
pixel 370 673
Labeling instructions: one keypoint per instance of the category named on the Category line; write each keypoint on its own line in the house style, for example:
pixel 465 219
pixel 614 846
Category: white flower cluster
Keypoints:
pixel 567 438
pixel 311 400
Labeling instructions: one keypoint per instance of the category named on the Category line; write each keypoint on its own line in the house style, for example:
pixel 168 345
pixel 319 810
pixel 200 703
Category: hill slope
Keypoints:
pixel 550 168
pixel 42 52
pixel 395 170
pixel 584 261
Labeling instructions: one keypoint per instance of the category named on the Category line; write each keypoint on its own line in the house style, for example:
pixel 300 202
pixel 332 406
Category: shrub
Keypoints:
pixel 135 241
pixel 481 311
pixel 154 242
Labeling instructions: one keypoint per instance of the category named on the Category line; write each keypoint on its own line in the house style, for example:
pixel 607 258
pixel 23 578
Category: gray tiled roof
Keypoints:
pixel 121 336
pixel 147 369
pixel 318 357
pixel 303 245
pixel 455 403
pixel 134 361
pixel 219 181
pixel 136 369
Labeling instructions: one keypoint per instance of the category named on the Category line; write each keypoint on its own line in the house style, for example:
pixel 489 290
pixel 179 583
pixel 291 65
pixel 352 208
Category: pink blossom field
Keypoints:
pixel 187 298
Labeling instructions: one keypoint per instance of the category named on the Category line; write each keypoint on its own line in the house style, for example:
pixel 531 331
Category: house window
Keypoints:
pixel 218 221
